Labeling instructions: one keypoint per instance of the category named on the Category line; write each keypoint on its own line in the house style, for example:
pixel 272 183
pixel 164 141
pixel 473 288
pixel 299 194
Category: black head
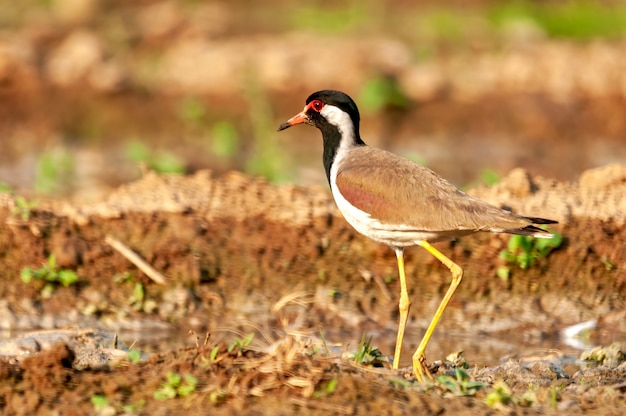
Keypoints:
pixel 337 117
pixel 327 110
pixel 335 98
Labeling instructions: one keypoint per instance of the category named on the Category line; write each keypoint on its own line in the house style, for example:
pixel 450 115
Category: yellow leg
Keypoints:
pixel 405 304
pixel 419 358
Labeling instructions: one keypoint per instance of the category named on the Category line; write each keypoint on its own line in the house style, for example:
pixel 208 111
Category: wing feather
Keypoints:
pixel 404 193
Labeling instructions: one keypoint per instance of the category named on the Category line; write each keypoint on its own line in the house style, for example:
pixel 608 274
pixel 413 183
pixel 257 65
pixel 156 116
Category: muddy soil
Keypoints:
pixel 242 256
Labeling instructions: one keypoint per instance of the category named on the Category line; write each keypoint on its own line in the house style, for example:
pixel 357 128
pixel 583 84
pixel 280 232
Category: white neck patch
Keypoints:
pixel 343 122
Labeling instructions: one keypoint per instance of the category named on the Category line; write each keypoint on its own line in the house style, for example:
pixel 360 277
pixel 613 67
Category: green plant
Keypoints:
pixel 101 405
pixel 193 112
pixel 445 24
pixel 366 354
pixel 608 264
pixel 55 170
pixel 207 362
pixel 582 19
pixel 176 386
pixel 324 343
pixel 523 251
pixel 23 208
pixel 268 158
pixel 336 19
pixel 554 395
pixel 132 408
pixel 327 390
pixel 213 354
pixel 224 139
pixel 138 296
pixel 500 396
pixel 460 385
pixel 50 274
pixel 134 356
pixel 380 92
pixel 489 177
pixel 158 161
pixel 242 344
pixel 4 188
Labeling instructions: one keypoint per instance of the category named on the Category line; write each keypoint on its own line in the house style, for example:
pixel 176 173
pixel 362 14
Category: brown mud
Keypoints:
pixel 241 256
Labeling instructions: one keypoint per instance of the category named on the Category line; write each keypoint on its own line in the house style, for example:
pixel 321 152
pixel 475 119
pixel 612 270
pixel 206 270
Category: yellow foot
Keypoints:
pixel 420 368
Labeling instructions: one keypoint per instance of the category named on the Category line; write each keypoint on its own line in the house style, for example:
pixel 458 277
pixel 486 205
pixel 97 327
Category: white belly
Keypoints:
pixel 394 235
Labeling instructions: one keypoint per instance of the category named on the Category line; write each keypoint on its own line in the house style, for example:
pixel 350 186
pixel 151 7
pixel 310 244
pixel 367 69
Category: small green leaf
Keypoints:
pixel 173 379
pixel 26 274
pixel 225 139
pixel 214 352
pixel 67 277
pixel 503 272
pixel 99 401
pixel 514 243
pixel 134 356
pixel 331 386
pixel 165 392
pixel 52 262
pixel 524 260
pixel 138 292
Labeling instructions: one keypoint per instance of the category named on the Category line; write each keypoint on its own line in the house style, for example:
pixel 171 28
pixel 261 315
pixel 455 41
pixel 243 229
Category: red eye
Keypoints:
pixel 316 105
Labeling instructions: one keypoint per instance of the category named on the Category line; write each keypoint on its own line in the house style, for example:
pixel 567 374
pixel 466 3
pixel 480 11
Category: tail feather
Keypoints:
pixel 533 231
pixel 536 220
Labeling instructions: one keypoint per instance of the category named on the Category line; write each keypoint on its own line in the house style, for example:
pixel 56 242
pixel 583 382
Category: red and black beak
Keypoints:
pixel 299 118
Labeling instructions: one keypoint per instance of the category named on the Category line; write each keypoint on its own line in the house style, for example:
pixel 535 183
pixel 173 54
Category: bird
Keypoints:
pixel 400 203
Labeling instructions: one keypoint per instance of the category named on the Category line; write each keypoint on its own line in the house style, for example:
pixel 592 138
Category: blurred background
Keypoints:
pixel 93 92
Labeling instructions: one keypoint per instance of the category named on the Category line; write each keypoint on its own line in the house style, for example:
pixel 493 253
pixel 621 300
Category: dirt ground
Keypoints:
pixel 242 256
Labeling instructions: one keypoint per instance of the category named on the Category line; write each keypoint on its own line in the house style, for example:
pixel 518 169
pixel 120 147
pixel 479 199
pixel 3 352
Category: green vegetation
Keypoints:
pixel 445 24
pixel 224 139
pixel 50 274
pixel 100 403
pixel 138 299
pixel 158 161
pixel 380 92
pixel 242 344
pixel 4 188
pixel 193 113
pixel 176 386
pixel 327 390
pixel 524 251
pixel 134 356
pixel 23 208
pixel 222 135
pixel 332 20
pixel 102 407
pixel 501 396
pixel 584 19
pixel 460 385
pixel 368 355
pixel 576 19
pixel 268 158
pixel 213 354
pixel 489 177
pixel 55 171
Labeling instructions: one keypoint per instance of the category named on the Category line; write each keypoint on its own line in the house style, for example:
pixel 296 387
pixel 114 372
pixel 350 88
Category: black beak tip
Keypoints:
pixel 284 126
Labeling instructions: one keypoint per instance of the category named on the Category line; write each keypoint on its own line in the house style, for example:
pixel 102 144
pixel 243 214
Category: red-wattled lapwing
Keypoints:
pixel 398 202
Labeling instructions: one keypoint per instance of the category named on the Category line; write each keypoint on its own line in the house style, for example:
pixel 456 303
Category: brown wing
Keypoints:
pixel 401 192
